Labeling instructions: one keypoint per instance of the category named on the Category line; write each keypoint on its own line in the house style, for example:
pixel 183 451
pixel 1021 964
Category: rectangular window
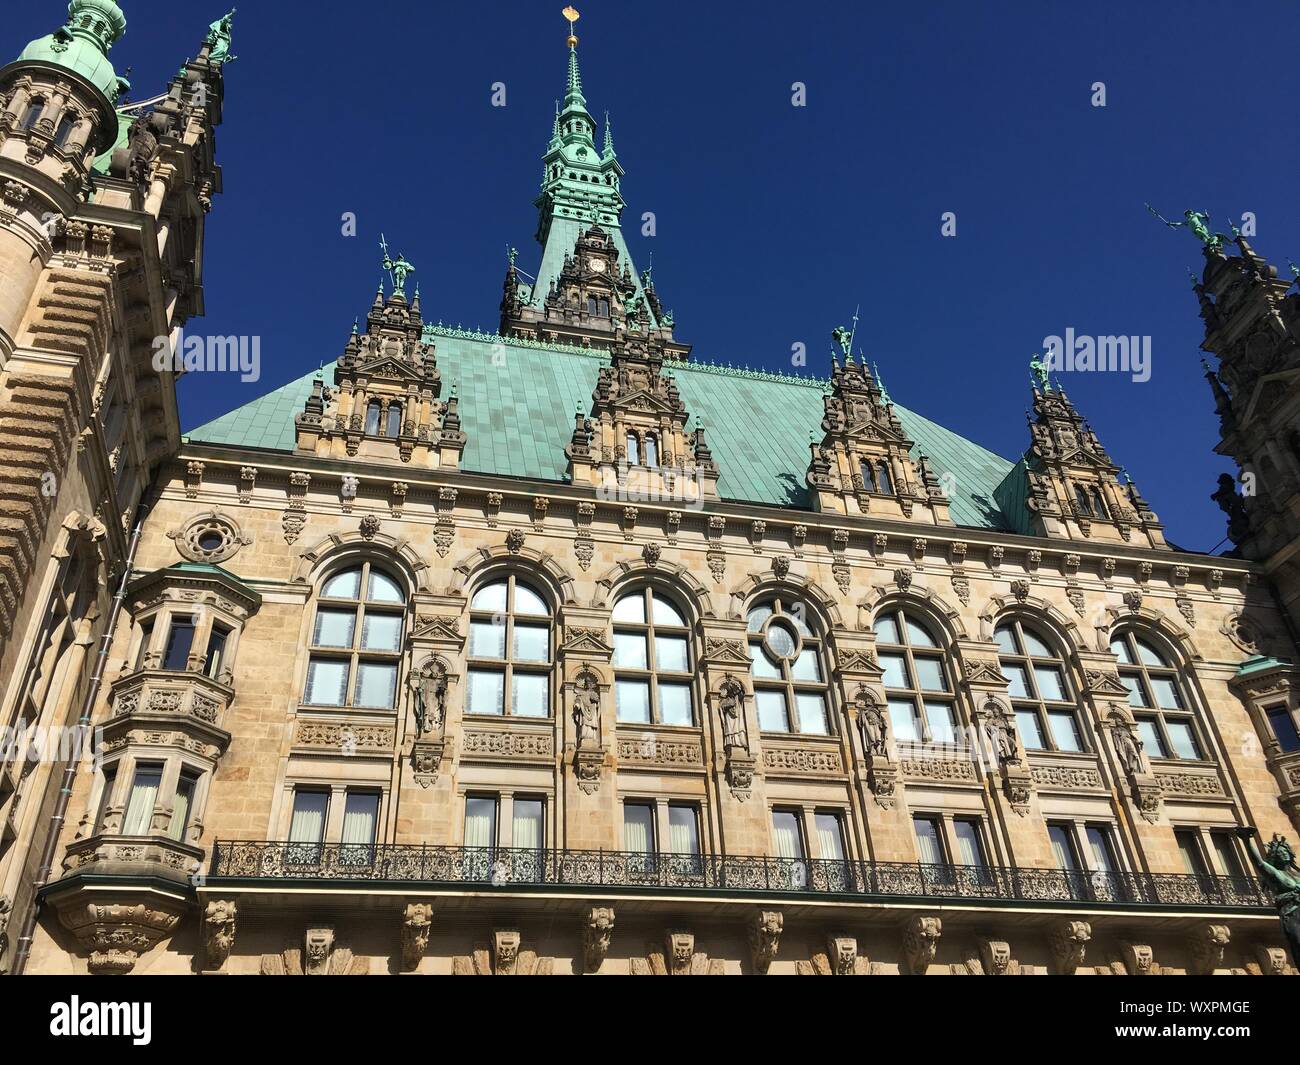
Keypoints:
pixel 184 805
pixel 530 695
pixel 1283 726
pixel 630 650
pixel 334 628
pixel 1151 738
pixel 1050 686
pixel 1031 734
pixel 216 656
pixel 146 637
pixel 812 714
pixel 929 675
pixel 633 700
pixel 485 692
pixel 528 831
pixel 683 829
pixel 376 685
pixel 639 828
pixel 1228 854
pixel 138 820
pixel 929 840
pixel 481 822
pixel 360 828
pixel 1189 846
pixel 670 654
pixel 307 828
pixel 902 718
pixel 895 667
pixel 675 704
pixel 786 835
pixel 487 639
pixel 179 641
pixel 970 845
pixel 105 795
pixel 1062 839
pixel 943 728
pixel 382 632
pixel 327 682
pixel 532 643
pixel 830 837
pixel 1102 847
pixel 772 714
pixel 1065 730
pixel 1017 678
pixel 1183 739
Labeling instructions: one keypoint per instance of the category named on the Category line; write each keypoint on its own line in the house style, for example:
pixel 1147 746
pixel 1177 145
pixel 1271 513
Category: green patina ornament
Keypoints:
pixel 511 255
pixel 1277 868
pixel 218 40
pixel 844 341
pixel 398 268
pixel 1295 271
pixel 1198 222
pixel 1039 369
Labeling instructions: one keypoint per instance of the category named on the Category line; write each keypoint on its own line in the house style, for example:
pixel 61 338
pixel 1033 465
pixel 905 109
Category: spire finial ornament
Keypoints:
pixel 1295 270
pixel 398 268
pixel 571 14
pixel 884 392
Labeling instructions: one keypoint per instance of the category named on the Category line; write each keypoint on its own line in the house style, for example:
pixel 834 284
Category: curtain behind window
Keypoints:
pixel 139 809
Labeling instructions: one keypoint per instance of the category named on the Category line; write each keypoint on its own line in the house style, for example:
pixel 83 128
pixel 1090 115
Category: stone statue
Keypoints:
pixel 871 720
pixel 400 268
pixel 1277 868
pixel 512 253
pixel 1038 367
pixel 1128 747
pixel 844 339
pixel 1231 503
pixel 731 706
pixel 1001 732
pixel 429 686
pixel 219 40
pixel 586 710
pixel 1198 223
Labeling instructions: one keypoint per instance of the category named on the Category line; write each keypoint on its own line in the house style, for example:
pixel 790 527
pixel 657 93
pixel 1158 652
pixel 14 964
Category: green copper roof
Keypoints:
pixel 519 415
pixel 1260 664
pixel 83 43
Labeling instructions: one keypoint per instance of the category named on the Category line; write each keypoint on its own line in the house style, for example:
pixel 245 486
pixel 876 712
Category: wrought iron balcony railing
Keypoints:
pixel 718 874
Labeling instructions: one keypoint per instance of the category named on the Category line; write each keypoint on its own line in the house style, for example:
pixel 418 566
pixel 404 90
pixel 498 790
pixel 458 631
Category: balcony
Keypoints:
pixel 731 876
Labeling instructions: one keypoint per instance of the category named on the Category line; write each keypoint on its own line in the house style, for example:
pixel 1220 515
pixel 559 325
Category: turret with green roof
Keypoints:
pixel 82 44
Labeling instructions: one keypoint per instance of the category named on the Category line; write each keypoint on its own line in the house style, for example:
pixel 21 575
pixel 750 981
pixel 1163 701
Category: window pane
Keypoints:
pixel 895 667
pixel 480 822
pixel 970 849
pixel 675 704
pixel 1103 854
pixel 929 674
pixel 216 651
pixel 812 714
pixel 138 819
pixel 887 629
pixel 943 726
pixel 902 718
pixel 1149 655
pixel 918 635
pixel 758 616
pixel 383 589
pixel 1065 730
pixel 1063 848
pixel 630 650
pixel 490 598
pixel 785 834
pixel 532 643
pixel 683 829
pixel 632 698
pixel 485 692
pixel 376 684
pixel 179 641
pixel 1035 646
pixel 781 640
pixel 1183 739
pixel 806 666
pixel 1049 683
pixel 530 695
pixel 772 716
pixel 382 632
pixel 929 847
pixel 360 826
pixel 345 585
pixel 1119 648
pixel 1189 846
pixel 327 682
pixel 1151 738
pixel 764 667
pixel 670 654
pixel 630 608
pixel 181 808
pixel 527 829
pixel 664 613
pixel 334 628
pixel 1284 728
pixel 529 602
pixel 308 824
pixel 830 839
pixel 1018 680
pixel 795 613
pixel 638 828
pixel 1136 696
pixel 1225 847
pixel 487 639
pixel 1005 637
pixel 1166 692
pixel 1031 735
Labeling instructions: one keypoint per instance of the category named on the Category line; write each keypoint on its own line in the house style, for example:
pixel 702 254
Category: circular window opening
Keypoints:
pixel 211 540
pixel 781 640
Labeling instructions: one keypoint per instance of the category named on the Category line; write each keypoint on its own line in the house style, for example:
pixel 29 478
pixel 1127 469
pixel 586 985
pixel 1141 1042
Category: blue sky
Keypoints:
pixel 773 221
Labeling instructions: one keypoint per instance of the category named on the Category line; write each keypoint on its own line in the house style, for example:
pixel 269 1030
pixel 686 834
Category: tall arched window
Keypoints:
pixel 917 684
pixel 868 472
pixel 633 450
pixel 509 651
pixel 373 411
pixel 652 661
pixel 394 425
pixel 884 482
pixel 788 669
pixel 356 640
pixel 1161 709
pixel 1046 712
pixel 1099 507
pixel 651 450
pixel 34 111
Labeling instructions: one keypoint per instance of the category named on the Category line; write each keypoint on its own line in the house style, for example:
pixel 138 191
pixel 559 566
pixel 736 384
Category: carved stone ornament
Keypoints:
pixel 1139 959
pixel 586 710
pixel 319 956
pixel 652 553
pixel 1206 946
pixel 840 959
pixel 218 932
pixel 596 935
pixel 1069 943
pixel 872 723
pixel 115 935
pixel 764 938
pixel 210 538
pixel 503 957
pixel 370 525
pixel 428 684
pixel 417 923
pixel 921 935
pixel 781 567
pixel 587 770
pixel 677 958
pixel 426 761
pixel 730 701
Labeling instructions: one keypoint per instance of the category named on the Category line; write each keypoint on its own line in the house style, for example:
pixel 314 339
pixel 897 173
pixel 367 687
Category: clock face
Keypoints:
pixel 597 265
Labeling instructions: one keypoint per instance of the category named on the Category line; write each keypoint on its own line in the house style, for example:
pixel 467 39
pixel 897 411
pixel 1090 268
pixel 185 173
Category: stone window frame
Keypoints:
pixel 1077 828
pixel 948 841
pixel 1210 854
pixel 940 651
pixel 1170 669
pixel 781 606
pixel 337 789
pixel 507 666
pixel 806 816
pixel 662 804
pixel 877 464
pixel 1034 701
pixel 505 796
pixel 147 648
pixel 651 673
pixel 111 797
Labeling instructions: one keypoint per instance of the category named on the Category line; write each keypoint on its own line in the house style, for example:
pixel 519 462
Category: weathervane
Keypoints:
pixel 571 13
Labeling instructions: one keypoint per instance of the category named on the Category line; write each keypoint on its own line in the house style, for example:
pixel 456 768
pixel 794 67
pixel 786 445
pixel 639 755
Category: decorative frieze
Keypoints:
pixel 1066 777
pixel 650 750
pixel 920 767
pixel 497 744
pixel 344 737
pixel 802 760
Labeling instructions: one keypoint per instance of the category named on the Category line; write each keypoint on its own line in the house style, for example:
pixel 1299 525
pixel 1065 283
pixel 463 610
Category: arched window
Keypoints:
pixel 34 111
pixel 394 426
pixel 651 450
pixel 1099 504
pixel 788 670
pixel 633 450
pixel 1160 706
pixel 356 640
pixel 373 410
pixel 509 651
pixel 652 661
pixel 1046 712
pixel 868 475
pixel 917 685
pixel 1081 500
pixel 884 483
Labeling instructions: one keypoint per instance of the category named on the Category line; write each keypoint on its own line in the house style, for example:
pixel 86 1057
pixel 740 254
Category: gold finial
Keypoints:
pixel 571 13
